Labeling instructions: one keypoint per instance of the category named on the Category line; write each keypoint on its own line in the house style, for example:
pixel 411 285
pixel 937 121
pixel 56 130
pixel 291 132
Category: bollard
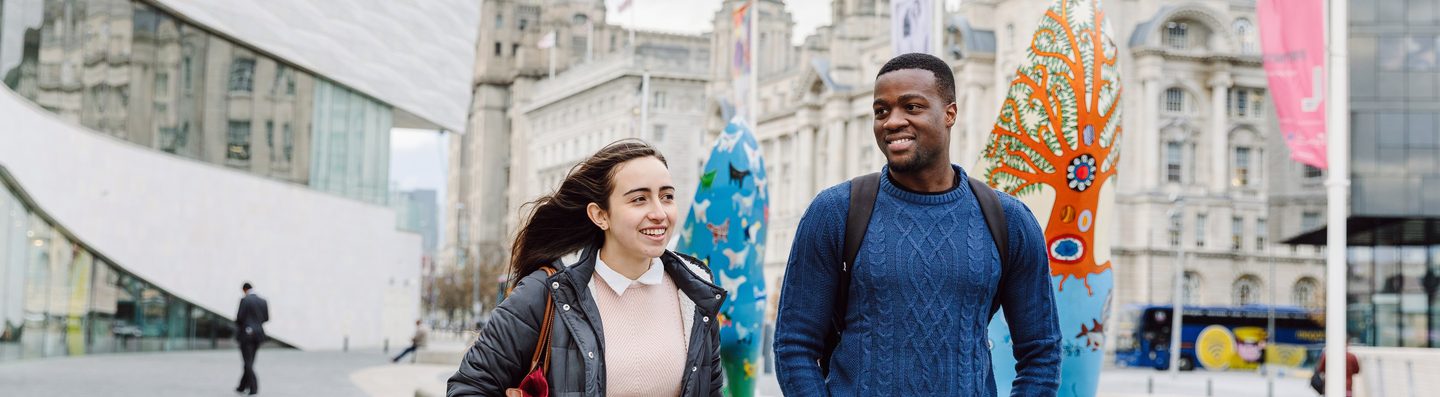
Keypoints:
pixel 1209 387
pixel 1270 387
pixel 386 349
pixel 1150 385
pixel 345 347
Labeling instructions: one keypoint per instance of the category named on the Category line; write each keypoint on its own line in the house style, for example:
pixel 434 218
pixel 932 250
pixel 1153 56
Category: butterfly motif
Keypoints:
pixel 760 185
pixel 752 232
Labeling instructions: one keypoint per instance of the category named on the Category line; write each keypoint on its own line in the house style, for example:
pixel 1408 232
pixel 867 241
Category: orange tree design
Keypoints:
pixel 1059 128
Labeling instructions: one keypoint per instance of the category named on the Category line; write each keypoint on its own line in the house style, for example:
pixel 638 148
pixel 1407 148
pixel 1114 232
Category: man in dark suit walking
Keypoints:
pixel 249 332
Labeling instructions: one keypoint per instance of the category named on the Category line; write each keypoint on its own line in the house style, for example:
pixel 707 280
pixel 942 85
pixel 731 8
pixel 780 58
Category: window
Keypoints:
pixel 1260 233
pixel 515 49
pixel 1240 105
pixel 658 131
pixel 238 141
pixel 242 70
pixel 1200 230
pixel 1309 220
pixel 1242 167
pixel 499 20
pixel 499 49
pixel 1237 232
pixel 658 102
pixel 1245 30
pixel 1174 230
pixel 1306 293
pixel 162 83
pixel 1246 291
pixel 1176 35
pixel 1312 172
pixel 270 139
pixel 289 141
pixel 522 24
pixel 1174 100
pixel 1174 155
pixel 284 81
pixel 1190 291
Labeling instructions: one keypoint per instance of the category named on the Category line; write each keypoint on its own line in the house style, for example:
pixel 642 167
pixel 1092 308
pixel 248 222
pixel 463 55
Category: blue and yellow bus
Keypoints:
pixel 1230 338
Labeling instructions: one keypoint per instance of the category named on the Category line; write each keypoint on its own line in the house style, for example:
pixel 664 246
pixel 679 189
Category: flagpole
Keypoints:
pixel 754 96
pixel 937 29
pixel 551 52
pixel 589 40
pixel 1337 147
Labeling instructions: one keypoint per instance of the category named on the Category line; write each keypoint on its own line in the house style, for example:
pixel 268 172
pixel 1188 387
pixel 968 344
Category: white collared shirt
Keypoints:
pixel 619 283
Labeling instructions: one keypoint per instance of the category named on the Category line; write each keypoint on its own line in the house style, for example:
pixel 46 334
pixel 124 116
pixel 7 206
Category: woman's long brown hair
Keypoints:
pixel 559 224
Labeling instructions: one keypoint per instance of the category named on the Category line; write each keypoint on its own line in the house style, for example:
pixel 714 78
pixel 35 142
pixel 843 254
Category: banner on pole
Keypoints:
pixel 910 25
pixel 740 53
pixel 1292 41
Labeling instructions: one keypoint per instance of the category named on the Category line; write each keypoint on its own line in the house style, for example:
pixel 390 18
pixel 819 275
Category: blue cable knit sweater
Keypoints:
pixel 920 297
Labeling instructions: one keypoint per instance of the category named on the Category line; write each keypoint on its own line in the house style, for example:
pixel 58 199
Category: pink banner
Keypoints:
pixel 1292 38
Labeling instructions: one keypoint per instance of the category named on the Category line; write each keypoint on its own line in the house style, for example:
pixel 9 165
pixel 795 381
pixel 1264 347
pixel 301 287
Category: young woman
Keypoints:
pixel 630 317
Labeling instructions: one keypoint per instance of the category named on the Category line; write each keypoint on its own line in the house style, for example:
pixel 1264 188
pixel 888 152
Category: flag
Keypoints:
pixel 910 25
pixel 548 41
pixel 741 51
pixel 1292 41
pixel 624 4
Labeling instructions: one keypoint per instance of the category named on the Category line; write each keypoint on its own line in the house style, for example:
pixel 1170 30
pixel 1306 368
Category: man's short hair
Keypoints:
pixel 245 287
pixel 944 78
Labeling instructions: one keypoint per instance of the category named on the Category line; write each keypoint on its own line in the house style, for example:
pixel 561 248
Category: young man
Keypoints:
pixel 927 272
pixel 250 333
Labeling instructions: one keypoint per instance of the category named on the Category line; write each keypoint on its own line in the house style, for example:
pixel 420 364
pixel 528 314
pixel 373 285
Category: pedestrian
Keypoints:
pixel 250 333
pixel 927 274
pixel 630 318
pixel 1352 368
pixel 416 342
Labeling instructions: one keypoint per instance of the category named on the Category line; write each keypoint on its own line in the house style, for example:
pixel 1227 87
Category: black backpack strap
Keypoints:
pixel 999 231
pixel 863 190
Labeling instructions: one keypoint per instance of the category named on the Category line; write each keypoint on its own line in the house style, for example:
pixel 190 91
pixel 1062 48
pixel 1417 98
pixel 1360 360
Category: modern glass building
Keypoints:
pixel 1394 223
pixel 156 154
pixel 129 69
pixel 59 297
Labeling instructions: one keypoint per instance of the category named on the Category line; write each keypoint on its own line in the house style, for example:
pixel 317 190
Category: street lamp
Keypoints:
pixel 1177 210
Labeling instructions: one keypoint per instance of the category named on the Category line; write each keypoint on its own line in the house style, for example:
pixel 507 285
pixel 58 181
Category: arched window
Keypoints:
pixel 1190 292
pixel 1306 292
pixel 1245 31
pixel 1245 291
pixel 1177 35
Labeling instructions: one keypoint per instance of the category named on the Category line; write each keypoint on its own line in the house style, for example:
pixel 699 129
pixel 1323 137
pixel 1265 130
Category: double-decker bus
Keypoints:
pixel 1234 338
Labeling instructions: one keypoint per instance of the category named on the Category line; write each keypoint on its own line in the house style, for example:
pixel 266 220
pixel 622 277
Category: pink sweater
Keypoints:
pixel 644 338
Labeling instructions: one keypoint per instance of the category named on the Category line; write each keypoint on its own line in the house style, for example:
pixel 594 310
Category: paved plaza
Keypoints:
pixel 284 372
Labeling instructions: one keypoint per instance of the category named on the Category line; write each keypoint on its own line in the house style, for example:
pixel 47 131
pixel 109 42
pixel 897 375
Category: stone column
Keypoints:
pixel 805 160
pixel 975 131
pixel 1219 141
pixel 1150 131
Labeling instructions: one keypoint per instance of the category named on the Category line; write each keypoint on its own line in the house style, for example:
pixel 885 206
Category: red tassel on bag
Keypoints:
pixel 534 384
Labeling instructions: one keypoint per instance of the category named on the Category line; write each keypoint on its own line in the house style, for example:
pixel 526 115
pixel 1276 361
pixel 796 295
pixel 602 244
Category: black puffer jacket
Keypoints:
pixel 501 356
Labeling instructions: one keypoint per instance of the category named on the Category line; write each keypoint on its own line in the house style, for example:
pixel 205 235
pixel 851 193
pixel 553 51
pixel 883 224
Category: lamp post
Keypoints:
pixel 1177 210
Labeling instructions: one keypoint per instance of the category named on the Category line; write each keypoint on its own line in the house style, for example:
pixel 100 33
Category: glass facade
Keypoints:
pixel 1394 259
pixel 60 298
pixel 130 70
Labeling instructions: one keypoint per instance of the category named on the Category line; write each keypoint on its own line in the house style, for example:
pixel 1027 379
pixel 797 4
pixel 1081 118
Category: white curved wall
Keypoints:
pixel 415 55
pixel 329 266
